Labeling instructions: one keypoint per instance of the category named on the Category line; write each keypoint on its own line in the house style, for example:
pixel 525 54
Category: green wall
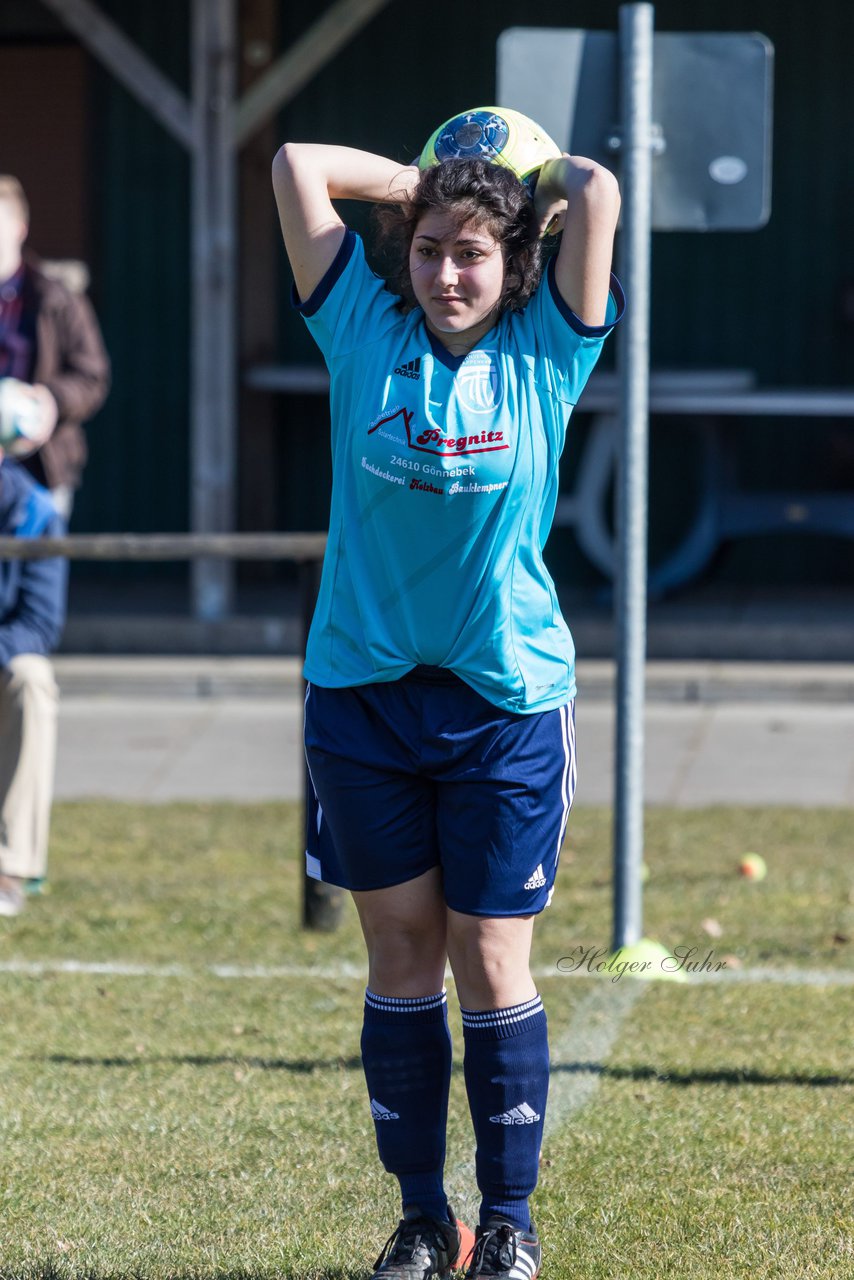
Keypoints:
pixel 771 300
pixel 137 478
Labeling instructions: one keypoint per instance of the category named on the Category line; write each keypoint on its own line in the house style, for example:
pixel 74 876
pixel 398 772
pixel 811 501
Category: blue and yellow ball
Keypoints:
pixel 497 134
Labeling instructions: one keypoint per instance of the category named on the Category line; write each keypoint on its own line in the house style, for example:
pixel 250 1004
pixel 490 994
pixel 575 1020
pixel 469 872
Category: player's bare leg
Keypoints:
pixel 490 959
pixel 404 931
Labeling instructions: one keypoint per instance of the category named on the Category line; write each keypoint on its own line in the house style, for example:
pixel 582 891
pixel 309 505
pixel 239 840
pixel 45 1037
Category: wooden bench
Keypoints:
pixel 706 399
pixel 724 509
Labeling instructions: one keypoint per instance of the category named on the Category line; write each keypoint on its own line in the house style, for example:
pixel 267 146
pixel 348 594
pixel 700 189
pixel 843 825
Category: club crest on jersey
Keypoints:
pixel 478 383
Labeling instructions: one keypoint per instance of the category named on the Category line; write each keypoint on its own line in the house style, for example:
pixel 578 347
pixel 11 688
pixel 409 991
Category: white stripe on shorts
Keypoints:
pixel 307 765
pixel 567 725
pixel 312 865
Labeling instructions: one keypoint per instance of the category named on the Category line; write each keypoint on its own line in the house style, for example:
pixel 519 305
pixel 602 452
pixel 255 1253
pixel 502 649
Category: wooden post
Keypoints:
pixel 213 127
pixel 260 252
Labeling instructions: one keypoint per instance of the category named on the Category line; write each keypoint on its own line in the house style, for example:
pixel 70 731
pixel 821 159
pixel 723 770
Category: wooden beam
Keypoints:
pixel 295 547
pixel 306 56
pixel 131 68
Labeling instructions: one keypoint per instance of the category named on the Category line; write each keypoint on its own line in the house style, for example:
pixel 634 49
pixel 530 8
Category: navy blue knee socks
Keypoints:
pixel 507 1078
pixel 406 1055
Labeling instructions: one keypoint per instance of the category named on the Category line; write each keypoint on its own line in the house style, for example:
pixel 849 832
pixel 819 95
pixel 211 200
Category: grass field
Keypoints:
pixel 181 1093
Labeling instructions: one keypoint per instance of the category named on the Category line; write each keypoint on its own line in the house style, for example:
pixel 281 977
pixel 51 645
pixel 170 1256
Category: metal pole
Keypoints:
pixel 636 43
pixel 213 426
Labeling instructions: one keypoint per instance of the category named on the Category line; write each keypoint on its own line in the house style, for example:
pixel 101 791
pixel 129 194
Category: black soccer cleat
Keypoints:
pixel 420 1248
pixel 503 1252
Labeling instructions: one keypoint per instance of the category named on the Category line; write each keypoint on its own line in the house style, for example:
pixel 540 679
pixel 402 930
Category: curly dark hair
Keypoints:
pixel 475 191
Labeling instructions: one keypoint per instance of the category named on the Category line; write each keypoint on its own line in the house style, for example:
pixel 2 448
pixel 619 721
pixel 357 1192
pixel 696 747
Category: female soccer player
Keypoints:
pixel 439 724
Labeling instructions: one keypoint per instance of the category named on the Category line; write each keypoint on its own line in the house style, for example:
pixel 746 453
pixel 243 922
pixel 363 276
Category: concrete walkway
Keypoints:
pixel 158 729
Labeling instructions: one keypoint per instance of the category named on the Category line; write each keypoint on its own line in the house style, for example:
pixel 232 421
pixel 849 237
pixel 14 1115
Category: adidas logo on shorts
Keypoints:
pixel 412 369
pixel 523 1114
pixel 379 1112
pixel 537 880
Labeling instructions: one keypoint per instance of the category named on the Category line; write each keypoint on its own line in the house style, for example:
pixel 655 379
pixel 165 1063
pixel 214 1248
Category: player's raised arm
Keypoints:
pixel 587 198
pixel 307 177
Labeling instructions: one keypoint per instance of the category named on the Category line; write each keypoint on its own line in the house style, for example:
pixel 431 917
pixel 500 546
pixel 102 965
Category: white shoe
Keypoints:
pixel 11 897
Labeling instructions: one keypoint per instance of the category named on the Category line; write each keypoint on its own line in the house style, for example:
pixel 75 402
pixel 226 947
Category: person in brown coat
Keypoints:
pixel 50 341
pixel 55 374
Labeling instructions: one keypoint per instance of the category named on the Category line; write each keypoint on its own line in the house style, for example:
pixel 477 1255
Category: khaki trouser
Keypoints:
pixel 29 703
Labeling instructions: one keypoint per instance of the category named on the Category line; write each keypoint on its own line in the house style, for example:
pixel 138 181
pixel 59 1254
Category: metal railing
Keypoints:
pixel 322 903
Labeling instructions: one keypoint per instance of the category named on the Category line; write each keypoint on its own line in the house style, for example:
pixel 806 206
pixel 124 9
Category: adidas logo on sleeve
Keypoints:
pixel 412 369
pixel 523 1114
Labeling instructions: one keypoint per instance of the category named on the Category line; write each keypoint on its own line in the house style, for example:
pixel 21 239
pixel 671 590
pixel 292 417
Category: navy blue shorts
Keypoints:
pixel 423 772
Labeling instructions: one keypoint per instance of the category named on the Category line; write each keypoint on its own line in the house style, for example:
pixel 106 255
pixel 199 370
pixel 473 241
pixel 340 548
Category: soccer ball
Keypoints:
pixel 498 134
pixel 20 415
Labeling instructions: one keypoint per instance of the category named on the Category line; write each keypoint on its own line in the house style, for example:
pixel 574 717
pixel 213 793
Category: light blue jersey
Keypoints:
pixel 445 479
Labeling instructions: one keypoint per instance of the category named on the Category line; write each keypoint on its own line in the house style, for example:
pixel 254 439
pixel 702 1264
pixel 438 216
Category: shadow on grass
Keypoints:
pixel 734 1076
pixel 305 1066
pixel 298 1066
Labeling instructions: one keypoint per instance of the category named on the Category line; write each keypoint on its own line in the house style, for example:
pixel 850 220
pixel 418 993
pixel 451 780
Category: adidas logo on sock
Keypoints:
pixel 523 1114
pixel 412 369
pixel 537 880
pixel 379 1112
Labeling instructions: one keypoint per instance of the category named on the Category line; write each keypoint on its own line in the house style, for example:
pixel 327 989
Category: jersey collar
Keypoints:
pixel 444 356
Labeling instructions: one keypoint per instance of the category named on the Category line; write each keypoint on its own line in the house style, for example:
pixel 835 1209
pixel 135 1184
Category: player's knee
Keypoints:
pixel 489 958
pixel 398 940
pixel 404 926
pixel 29 678
pixel 404 955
